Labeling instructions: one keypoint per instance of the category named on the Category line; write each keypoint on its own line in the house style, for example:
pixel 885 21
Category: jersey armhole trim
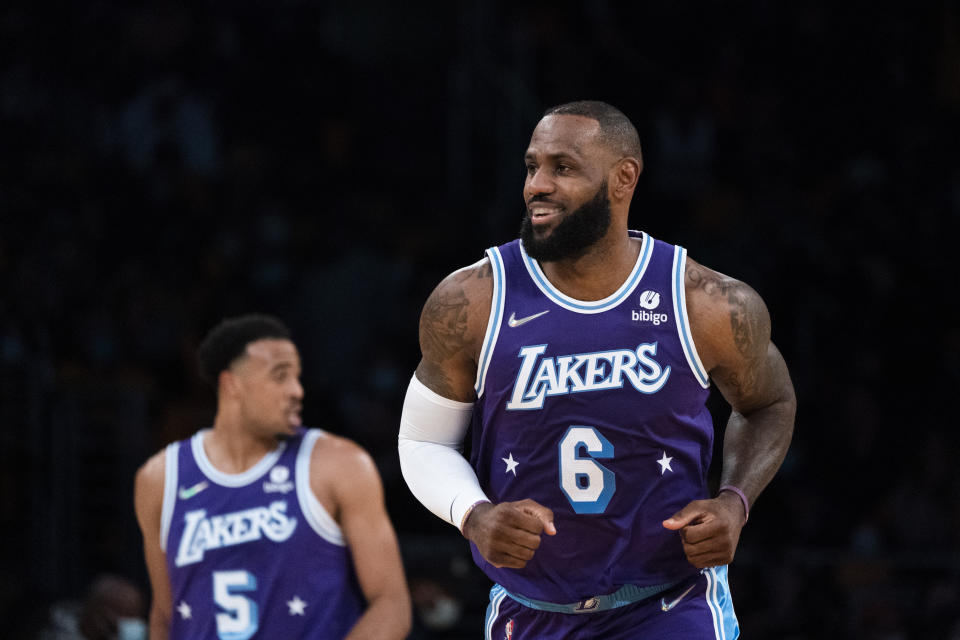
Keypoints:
pixel 495 320
pixel 169 492
pixel 316 515
pixel 683 322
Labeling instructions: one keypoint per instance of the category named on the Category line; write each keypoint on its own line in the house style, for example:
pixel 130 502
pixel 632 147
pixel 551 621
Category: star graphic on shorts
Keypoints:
pixel 296 606
pixel 664 463
pixel 511 464
pixel 184 609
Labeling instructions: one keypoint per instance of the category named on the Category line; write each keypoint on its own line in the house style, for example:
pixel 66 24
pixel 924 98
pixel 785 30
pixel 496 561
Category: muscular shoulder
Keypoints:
pixel 340 469
pixel 151 474
pixel 728 319
pixel 452 325
pixel 148 487
pixel 339 454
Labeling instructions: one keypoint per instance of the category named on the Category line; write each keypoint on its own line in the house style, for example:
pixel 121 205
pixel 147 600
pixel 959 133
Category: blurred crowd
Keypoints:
pixel 165 165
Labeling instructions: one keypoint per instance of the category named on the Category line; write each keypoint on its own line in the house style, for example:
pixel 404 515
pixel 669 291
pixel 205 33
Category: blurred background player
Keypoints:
pixel 583 354
pixel 260 525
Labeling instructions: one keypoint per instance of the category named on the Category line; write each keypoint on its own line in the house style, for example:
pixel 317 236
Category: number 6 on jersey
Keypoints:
pixel 587 484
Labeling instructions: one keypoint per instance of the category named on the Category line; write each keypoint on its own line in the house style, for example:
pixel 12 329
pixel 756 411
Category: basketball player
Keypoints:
pixel 259 526
pixel 583 354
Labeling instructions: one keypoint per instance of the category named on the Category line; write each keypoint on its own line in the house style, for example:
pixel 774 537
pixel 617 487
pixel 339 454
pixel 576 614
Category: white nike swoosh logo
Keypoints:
pixel 186 494
pixel 666 606
pixel 513 322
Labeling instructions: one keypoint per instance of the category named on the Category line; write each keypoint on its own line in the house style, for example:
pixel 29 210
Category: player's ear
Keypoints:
pixel 625 175
pixel 227 384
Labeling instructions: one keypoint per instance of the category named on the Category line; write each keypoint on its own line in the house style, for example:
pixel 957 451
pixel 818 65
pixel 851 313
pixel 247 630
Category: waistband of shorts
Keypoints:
pixel 627 594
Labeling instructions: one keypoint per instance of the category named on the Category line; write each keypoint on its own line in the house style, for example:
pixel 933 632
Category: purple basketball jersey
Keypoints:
pixel 597 411
pixel 256 552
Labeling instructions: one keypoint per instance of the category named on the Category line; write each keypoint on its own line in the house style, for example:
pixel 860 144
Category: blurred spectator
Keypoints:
pixel 113 609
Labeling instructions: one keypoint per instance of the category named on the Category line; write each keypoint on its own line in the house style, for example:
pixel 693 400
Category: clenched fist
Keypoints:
pixel 709 529
pixel 508 534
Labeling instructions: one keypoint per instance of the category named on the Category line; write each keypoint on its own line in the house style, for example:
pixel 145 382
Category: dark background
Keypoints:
pixel 163 166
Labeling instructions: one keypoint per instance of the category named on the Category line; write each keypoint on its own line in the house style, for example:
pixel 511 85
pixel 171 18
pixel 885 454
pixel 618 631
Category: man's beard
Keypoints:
pixel 574 235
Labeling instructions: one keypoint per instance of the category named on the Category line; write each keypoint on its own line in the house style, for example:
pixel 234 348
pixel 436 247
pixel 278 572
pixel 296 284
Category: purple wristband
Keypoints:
pixel 743 499
pixel 466 514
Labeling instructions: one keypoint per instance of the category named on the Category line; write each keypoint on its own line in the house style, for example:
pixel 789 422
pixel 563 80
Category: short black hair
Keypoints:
pixel 228 341
pixel 616 130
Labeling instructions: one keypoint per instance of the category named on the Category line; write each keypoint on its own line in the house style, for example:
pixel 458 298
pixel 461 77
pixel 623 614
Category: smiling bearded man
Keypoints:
pixel 581 358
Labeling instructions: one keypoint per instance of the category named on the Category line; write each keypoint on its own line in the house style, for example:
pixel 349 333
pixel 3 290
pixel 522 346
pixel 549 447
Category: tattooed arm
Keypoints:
pixel 433 423
pixel 452 325
pixel 438 406
pixel 731 330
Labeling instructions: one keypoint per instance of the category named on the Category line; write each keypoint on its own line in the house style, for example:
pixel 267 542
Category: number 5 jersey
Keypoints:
pixel 254 554
pixel 597 411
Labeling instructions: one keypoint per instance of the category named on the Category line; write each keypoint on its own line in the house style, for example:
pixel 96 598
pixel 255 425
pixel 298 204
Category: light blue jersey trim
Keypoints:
pixel 496 318
pixel 316 515
pixel 725 624
pixel 596 306
pixel 497 594
pixel 232 479
pixel 683 322
pixel 171 469
pixel 627 594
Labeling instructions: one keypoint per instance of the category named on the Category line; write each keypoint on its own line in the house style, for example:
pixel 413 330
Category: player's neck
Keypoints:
pixel 599 272
pixel 232 448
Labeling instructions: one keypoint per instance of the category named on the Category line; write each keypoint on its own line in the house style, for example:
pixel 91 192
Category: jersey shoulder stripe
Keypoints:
pixel 683 321
pixel 496 318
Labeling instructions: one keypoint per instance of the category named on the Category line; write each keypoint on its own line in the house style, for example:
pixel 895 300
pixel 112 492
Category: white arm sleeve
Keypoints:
pixel 431 438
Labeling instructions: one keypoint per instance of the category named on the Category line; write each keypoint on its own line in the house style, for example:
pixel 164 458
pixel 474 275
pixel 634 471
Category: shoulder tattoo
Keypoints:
pixel 446 341
pixel 749 321
pixel 443 323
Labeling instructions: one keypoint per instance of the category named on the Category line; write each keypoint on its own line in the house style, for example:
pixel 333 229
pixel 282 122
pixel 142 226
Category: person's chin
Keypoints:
pixel 288 428
pixel 543 233
pixel 285 433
